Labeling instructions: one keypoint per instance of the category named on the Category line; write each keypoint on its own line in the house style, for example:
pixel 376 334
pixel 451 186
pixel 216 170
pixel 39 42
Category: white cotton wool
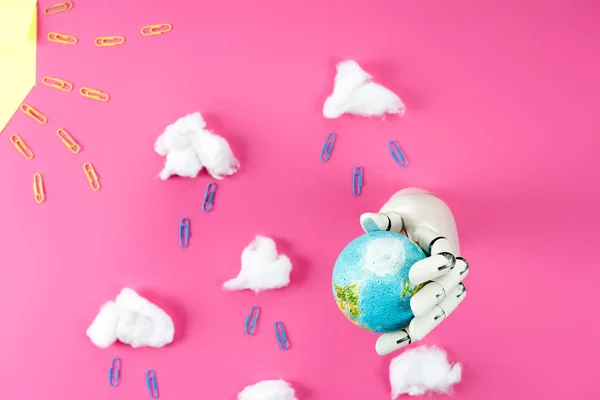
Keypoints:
pixel 421 370
pixel 189 147
pixel 355 93
pixel 262 268
pixel 133 320
pixel 275 389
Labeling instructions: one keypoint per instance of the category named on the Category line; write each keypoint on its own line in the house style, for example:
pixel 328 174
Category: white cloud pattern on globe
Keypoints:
pixel 384 256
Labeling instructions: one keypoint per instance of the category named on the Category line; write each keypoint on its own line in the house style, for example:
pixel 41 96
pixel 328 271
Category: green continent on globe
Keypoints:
pixel 347 300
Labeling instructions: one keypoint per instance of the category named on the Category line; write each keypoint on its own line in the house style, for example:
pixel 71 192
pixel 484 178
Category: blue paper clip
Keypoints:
pixel 397 154
pixel 113 372
pixel 250 326
pixel 328 147
pixel 282 339
pixel 184 232
pixel 357 180
pixel 209 196
pixel 151 383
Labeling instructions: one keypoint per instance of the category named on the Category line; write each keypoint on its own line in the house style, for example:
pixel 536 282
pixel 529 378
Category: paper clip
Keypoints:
pixel 91 176
pixel 328 147
pixel 21 146
pixel 184 232
pixel 94 94
pixel 209 196
pixel 58 8
pixel 251 318
pixel 113 372
pixel 109 41
pixel 151 383
pixel 397 154
pixel 158 29
pixel 357 180
pixel 68 140
pixel 57 83
pixel 61 38
pixel 38 188
pixel 33 113
pixel 282 339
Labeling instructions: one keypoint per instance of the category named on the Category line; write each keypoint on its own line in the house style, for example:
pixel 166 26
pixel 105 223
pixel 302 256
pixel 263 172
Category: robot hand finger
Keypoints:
pixel 421 326
pixel 431 242
pixel 390 342
pixel 390 221
pixel 436 290
pixel 431 267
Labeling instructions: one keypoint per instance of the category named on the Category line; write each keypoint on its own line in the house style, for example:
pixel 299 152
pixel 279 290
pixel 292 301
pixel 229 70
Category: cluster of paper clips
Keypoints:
pixel 114 373
pixel 108 41
pixel 66 86
pixel 250 328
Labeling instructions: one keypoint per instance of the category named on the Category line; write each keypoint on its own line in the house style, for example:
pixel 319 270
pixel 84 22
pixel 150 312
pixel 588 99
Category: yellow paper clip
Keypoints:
pixel 158 29
pixel 33 113
pixel 57 83
pixel 38 188
pixel 21 146
pixel 109 41
pixel 91 175
pixel 58 8
pixel 61 38
pixel 94 94
pixel 68 140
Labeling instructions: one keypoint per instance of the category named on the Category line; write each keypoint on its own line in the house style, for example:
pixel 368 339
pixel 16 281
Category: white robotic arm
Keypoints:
pixel 428 221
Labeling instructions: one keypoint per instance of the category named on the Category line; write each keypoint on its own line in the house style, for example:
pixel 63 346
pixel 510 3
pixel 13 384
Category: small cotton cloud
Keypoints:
pixel 422 370
pixel 262 268
pixel 268 390
pixel 355 93
pixel 188 148
pixel 133 320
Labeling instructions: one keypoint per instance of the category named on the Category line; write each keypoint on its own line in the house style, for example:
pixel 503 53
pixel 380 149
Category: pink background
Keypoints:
pixel 502 123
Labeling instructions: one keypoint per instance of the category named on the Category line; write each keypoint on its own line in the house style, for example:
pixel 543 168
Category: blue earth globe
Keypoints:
pixel 370 280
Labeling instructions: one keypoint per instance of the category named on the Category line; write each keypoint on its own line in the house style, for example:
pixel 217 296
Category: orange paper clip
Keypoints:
pixel 91 175
pixel 58 8
pixel 61 38
pixel 21 146
pixel 33 113
pixel 94 94
pixel 38 188
pixel 68 140
pixel 57 83
pixel 109 41
pixel 157 29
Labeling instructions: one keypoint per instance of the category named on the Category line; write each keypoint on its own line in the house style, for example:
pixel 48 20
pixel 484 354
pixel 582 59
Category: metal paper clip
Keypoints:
pixel 328 147
pixel 282 339
pixel 68 140
pixel 209 197
pixel 151 383
pixel 157 29
pixel 184 232
pixel 57 83
pixel 397 154
pixel 94 94
pixel 91 176
pixel 58 8
pixel 21 146
pixel 109 41
pixel 38 188
pixel 113 372
pixel 357 180
pixel 33 113
pixel 61 38
pixel 251 318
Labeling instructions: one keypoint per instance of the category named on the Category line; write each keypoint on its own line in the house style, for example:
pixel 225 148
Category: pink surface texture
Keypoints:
pixel 501 122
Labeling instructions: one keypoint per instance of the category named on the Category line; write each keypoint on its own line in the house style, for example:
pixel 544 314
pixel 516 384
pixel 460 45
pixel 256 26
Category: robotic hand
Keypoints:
pixel 427 221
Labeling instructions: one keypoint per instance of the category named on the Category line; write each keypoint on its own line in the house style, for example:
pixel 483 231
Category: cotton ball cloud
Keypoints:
pixel 422 370
pixel 268 390
pixel 262 268
pixel 355 93
pixel 188 148
pixel 133 320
